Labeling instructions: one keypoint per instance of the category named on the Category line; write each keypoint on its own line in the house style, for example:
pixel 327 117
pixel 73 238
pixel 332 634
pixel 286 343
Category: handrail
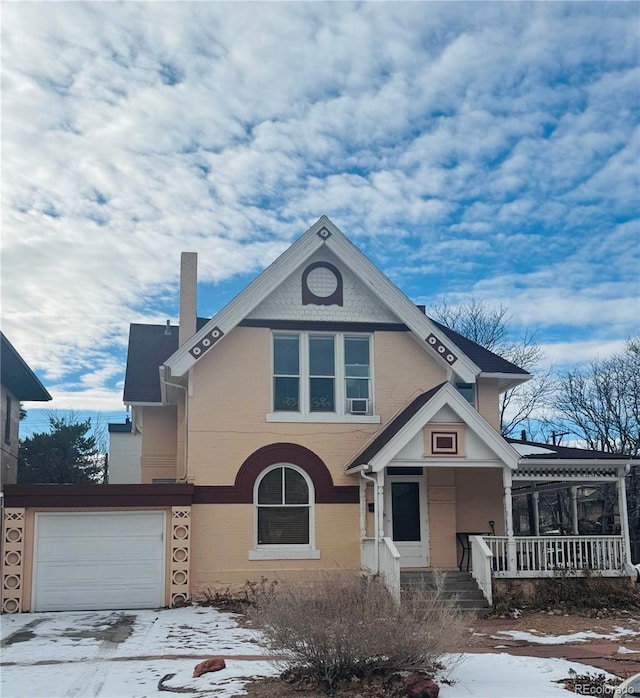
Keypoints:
pixel 390 566
pixel 481 558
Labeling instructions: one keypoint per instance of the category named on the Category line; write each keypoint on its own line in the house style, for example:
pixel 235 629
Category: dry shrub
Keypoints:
pixel 343 625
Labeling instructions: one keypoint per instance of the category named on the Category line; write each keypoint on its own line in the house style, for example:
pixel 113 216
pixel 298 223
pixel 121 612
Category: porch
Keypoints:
pixel 400 532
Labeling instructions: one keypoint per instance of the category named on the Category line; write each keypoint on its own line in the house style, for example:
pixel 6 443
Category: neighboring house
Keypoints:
pixel 319 420
pixel 19 383
pixel 125 447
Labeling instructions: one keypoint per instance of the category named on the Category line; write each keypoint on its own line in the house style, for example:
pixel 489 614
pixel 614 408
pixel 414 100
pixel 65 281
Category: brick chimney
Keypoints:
pixel 188 295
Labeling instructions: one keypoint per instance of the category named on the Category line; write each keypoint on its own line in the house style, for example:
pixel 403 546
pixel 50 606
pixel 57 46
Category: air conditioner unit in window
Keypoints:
pixel 358 405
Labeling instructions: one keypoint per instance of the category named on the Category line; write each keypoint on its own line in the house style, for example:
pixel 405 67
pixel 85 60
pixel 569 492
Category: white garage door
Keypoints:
pixel 92 561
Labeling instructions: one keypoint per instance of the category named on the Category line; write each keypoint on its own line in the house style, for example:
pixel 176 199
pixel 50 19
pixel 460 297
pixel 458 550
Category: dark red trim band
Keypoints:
pixel 326 325
pixel 83 496
pixel 242 491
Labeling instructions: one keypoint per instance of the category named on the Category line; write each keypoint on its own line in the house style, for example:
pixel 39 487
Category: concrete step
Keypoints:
pixel 458 585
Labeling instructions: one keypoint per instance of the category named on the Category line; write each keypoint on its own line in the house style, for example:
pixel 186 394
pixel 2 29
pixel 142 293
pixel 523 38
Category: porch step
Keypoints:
pixel 460 585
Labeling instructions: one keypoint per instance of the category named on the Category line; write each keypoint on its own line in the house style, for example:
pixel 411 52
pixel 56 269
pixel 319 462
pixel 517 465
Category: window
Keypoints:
pixel 321 376
pixel 283 498
pixel 322 373
pixel 467 390
pixel 286 373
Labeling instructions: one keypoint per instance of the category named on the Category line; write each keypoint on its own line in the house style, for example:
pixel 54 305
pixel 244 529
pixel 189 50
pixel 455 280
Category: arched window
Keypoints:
pixel 283 498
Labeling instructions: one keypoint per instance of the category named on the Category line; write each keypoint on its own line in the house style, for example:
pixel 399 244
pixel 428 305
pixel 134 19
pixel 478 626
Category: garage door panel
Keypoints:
pixel 99 561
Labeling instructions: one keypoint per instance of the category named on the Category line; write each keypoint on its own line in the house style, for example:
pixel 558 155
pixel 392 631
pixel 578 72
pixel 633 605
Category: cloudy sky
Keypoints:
pixel 485 150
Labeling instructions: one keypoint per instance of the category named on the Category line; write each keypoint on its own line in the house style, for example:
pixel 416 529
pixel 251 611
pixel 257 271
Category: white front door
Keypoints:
pixel 406 518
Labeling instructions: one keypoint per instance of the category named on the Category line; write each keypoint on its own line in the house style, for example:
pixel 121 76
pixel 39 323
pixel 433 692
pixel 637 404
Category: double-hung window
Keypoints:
pixel 321 376
pixel 322 373
pixel 286 372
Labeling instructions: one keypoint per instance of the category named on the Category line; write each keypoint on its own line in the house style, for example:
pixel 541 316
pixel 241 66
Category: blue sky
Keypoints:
pixel 485 150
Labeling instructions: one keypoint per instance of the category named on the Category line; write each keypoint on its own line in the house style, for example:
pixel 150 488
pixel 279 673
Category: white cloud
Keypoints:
pixel 451 141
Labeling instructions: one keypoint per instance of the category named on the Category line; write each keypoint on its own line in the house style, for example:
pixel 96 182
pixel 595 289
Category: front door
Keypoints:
pixel 406 519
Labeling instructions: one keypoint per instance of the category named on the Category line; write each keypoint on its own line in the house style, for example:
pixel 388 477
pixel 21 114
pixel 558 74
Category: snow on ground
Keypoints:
pixel 74 655
pixel 532 638
pixel 506 676
pixel 74 636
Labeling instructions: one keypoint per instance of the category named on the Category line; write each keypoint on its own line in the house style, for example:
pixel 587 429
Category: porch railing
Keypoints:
pixel 482 556
pixel 546 556
pixel 388 562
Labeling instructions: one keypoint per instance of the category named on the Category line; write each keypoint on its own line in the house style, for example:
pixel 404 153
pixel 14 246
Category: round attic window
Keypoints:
pixel 322 282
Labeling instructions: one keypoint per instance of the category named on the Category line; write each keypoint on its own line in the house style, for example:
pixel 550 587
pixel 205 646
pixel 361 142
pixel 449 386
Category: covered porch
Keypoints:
pixel 495 550
pixel 437 491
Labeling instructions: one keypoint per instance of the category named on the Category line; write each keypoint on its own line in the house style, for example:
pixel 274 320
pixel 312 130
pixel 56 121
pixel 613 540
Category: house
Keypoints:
pixel 19 383
pixel 319 420
pixel 125 447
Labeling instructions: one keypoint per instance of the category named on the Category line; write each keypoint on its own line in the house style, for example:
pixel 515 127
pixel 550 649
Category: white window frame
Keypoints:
pixel 285 552
pixel 341 414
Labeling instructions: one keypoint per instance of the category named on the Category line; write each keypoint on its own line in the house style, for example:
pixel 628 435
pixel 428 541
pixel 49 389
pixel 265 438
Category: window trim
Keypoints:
pixel 295 551
pixel 304 414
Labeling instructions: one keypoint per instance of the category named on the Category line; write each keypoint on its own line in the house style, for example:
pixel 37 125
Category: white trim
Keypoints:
pixel 292 258
pixel 145 404
pixel 322 418
pixel 423 503
pixel 442 462
pixel 447 395
pixel 305 414
pixel 585 462
pixel 285 552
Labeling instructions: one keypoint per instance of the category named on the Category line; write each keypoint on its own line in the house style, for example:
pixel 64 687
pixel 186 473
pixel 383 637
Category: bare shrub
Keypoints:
pixel 342 626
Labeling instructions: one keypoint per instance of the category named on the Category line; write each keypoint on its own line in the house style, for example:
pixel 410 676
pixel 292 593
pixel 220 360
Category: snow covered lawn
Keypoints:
pixel 123 654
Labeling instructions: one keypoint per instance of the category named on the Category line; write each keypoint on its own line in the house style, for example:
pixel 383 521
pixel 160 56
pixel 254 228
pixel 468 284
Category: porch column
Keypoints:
pixel 624 517
pixel 536 511
pixel 380 502
pixel 508 519
pixel 574 511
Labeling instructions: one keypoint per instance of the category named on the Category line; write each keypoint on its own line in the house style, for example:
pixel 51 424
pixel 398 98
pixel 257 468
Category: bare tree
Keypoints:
pixel 601 403
pixel 489 327
pixel 477 321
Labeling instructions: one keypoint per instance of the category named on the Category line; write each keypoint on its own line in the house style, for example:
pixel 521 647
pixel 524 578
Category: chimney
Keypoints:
pixel 188 295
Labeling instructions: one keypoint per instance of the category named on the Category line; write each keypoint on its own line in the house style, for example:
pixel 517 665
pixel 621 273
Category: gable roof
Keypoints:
pixel 426 332
pixel 383 447
pixel 393 427
pixel 485 359
pixel 149 347
pixel 16 375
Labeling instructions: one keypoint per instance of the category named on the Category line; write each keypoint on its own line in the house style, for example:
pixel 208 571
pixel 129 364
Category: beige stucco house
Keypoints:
pixel 320 420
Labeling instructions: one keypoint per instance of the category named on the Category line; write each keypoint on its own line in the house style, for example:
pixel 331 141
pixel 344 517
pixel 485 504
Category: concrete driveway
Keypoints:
pixel 125 653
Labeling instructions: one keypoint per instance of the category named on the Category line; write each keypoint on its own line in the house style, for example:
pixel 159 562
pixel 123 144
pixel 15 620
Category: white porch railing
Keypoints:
pixel 388 561
pixel 481 557
pixel 546 556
